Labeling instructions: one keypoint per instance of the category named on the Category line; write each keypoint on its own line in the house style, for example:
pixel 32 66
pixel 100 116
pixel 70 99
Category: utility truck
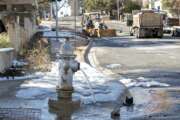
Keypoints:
pixel 147 23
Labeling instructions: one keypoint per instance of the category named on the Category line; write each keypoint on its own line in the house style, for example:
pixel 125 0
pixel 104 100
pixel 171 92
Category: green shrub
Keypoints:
pixel 4 40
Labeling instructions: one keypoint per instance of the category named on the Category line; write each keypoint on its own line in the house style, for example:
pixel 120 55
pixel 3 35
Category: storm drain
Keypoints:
pixel 20 114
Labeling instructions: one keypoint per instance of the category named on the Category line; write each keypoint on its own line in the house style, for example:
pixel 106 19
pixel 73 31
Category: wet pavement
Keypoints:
pixel 97 93
pixel 151 63
pixel 151 70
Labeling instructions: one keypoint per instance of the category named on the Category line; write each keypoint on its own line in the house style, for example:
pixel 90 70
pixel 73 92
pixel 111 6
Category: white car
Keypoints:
pixel 167 30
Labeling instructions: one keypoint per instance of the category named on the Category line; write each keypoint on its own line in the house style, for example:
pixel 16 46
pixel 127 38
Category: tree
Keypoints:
pixel 130 5
pixel 109 5
pixel 99 5
pixel 172 5
pixel 45 6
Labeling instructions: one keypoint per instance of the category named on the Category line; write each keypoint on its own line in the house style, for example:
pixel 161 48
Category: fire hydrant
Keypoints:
pixel 65 105
pixel 67 67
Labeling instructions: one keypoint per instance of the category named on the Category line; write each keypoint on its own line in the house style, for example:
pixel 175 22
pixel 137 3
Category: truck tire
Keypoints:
pixel 172 33
pixel 137 32
pixel 1 30
pixel 142 33
pixel 175 33
pixel 159 33
pixel 132 32
pixel 160 36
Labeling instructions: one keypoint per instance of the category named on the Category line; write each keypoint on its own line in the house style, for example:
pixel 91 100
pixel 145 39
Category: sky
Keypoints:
pixel 65 9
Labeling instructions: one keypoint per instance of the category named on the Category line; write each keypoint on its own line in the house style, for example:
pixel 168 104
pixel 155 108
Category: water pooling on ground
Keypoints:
pixel 98 89
pixel 91 86
pixel 36 93
pixel 102 91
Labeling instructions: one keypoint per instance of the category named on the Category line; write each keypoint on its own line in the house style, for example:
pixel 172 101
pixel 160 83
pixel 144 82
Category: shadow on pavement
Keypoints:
pixel 128 42
pixel 168 77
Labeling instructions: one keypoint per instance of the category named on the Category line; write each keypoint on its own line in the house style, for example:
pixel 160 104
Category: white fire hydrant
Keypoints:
pixel 67 67
pixel 64 104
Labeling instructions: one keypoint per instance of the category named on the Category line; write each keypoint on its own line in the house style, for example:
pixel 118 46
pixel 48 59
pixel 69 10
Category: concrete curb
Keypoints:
pixel 91 59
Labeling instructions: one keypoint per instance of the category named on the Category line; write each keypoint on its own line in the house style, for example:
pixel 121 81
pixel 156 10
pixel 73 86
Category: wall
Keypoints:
pixel 20 35
pixel 20 19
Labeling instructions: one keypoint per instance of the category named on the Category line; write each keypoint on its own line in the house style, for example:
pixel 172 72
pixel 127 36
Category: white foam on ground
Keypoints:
pixel 103 90
pixel 142 82
pixel 27 77
pixel 6 49
pixel 113 66
pixel 19 63
pixel 60 34
pixel 163 47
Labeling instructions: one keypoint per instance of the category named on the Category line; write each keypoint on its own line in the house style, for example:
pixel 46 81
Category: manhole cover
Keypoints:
pixel 20 114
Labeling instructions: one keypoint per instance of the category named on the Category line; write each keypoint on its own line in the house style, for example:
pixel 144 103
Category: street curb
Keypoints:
pixel 91 59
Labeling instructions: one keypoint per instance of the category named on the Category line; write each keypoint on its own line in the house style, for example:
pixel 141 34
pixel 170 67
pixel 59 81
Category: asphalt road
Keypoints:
pixel 156 60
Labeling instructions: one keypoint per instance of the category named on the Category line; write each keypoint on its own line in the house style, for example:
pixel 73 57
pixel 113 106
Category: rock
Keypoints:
pixel 115 114
pixel 129 101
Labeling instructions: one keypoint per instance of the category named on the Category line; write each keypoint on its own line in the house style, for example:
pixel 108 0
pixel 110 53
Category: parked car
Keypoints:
pixel 167 29
pixel 176 31
pixel 170 26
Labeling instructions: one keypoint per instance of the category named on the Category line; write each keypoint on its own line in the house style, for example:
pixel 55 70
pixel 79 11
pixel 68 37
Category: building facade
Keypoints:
pixel 19 16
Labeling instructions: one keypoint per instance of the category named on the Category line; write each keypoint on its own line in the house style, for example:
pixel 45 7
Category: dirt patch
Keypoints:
pixel 161 101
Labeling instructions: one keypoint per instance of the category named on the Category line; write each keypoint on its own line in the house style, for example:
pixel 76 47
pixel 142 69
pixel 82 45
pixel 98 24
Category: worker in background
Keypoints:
pixel 97 26
pixel 89 23
pixel 100 25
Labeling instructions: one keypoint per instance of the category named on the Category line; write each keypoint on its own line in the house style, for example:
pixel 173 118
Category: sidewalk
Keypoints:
pixel 93 88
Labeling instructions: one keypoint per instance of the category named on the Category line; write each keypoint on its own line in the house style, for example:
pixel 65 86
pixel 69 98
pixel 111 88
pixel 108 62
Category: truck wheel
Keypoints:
pixel 131 34
pixel 137 32
pixel 1 30
pixel 160 36
pixel 175 34
pixel 159 33
pixel 142 33
pixel 172 33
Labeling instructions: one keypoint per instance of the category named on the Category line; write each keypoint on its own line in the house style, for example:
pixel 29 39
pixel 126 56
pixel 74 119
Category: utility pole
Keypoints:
pixel 118 9
pixel 178 9
pixel 75 13
pixel 179 13
pixel 51 11
pixel 56 20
